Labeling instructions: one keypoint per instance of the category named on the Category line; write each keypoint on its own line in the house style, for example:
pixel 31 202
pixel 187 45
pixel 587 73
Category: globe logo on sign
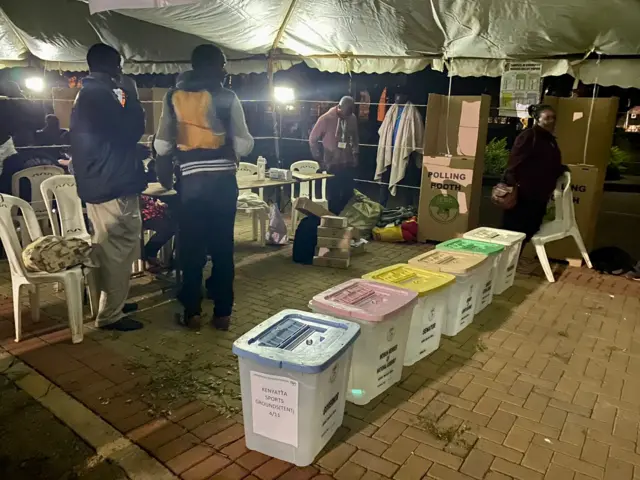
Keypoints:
pixel 444 208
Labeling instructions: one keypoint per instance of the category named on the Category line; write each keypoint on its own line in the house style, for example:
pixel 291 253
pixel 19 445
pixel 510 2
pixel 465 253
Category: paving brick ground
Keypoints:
pixel 544 384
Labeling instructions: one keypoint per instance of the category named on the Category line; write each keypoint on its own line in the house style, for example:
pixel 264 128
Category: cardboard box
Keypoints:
pixel 333 252
pixel 331 262
pixel 359 249
pixel 451 185
pixel 335 232
pixel 587 189
pixel 588 179
pixel 327 242
pixel 331 221
pixel 307 207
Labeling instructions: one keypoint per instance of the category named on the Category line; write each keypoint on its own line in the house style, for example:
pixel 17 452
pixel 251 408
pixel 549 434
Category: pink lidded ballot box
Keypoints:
pixel 384 315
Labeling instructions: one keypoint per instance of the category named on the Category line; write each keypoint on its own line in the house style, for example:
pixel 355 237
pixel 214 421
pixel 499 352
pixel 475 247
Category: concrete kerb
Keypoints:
pixel 106 440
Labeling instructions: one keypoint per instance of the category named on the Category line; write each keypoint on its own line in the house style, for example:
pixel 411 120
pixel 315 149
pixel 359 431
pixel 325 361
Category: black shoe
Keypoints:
pixel 129 308
pixel 125 324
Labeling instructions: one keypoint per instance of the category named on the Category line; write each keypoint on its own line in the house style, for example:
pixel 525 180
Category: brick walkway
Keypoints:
pixel 545 384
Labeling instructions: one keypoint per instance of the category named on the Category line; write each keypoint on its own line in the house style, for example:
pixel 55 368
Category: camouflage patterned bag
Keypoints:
pixel 53 254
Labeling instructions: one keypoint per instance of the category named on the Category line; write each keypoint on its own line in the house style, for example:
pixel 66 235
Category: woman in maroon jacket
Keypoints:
pixel 534 166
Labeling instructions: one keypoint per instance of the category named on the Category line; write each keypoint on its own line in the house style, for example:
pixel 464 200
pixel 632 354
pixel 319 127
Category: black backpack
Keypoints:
pixel 305 241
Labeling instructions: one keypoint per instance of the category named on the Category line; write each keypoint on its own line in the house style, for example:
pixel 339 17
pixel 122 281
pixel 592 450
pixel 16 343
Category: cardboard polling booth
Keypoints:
pixel 588 166
pixel 451 188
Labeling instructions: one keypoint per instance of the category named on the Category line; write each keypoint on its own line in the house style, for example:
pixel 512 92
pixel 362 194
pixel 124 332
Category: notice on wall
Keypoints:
pixel 274 403
pixel 520 87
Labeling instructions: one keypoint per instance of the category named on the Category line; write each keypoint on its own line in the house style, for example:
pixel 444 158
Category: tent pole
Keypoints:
pixel 283 26
pixel 272 52
pixel 274 113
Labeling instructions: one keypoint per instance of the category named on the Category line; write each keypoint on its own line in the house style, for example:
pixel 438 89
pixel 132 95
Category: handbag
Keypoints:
pixel 504 196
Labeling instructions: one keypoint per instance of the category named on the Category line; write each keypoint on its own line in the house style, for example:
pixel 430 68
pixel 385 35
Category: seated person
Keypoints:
pixel 19 117
pixel 50 136
pixel 18 123
pixel 156 216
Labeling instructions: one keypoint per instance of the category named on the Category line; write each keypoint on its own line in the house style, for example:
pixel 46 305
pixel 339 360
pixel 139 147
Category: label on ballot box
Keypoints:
pixel 275 407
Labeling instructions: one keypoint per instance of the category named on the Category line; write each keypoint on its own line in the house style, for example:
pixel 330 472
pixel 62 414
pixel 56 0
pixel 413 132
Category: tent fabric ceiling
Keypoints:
pixel 60 32
pixel 452 28
pixel 372 36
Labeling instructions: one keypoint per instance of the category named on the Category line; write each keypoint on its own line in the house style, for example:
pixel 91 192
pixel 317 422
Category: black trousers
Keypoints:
pixel 206 221
pixel 340 188
pixel 163 231
pixel 526 217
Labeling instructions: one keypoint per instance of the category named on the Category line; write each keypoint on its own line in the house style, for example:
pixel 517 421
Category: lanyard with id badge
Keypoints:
pixel 342 127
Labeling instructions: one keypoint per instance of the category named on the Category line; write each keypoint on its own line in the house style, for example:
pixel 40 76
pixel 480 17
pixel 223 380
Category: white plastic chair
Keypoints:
pixel 259 215
pixel 564 225
pixel 71 279
pixel 67 220
pixel 307 189
pixel 35 176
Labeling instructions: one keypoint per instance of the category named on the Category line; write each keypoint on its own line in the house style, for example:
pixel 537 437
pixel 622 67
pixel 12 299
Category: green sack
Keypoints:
pixel 362 213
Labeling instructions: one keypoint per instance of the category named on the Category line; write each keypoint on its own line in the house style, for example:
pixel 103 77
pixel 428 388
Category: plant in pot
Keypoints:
pixel 496 157
pixel 619 161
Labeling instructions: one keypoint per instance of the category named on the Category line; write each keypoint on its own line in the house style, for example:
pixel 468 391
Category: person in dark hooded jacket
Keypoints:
pixel 107 122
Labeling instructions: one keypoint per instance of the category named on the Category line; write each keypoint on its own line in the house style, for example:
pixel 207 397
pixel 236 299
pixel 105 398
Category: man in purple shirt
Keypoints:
pixel 338 131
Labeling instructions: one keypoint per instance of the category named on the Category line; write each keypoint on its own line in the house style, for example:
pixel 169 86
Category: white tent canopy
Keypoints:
pixel 59 32
pixel 373 36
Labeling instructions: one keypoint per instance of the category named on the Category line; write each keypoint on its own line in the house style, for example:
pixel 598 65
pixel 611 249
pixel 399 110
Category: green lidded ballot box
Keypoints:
pixel 493 251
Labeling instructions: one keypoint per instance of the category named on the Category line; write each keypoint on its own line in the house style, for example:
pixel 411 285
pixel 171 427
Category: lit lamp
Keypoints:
pixel 284 94
pixel 35 84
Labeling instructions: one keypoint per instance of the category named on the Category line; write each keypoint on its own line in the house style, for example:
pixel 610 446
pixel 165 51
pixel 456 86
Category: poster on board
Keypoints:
pixel 520 87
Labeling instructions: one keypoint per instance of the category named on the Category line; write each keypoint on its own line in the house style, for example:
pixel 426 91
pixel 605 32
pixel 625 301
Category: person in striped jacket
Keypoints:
pixel 203 128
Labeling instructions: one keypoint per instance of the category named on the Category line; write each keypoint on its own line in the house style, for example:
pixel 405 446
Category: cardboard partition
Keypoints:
pixel 63 99
pixel 571 129
pixel 587 187
pixel 451 186
pixel 151 99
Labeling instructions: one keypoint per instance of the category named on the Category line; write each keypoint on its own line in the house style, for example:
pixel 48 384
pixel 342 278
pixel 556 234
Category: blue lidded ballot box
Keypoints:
pixel 294 369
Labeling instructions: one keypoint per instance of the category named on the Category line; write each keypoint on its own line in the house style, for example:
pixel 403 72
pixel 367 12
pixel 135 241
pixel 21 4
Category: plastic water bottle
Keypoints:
pixel 262 168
